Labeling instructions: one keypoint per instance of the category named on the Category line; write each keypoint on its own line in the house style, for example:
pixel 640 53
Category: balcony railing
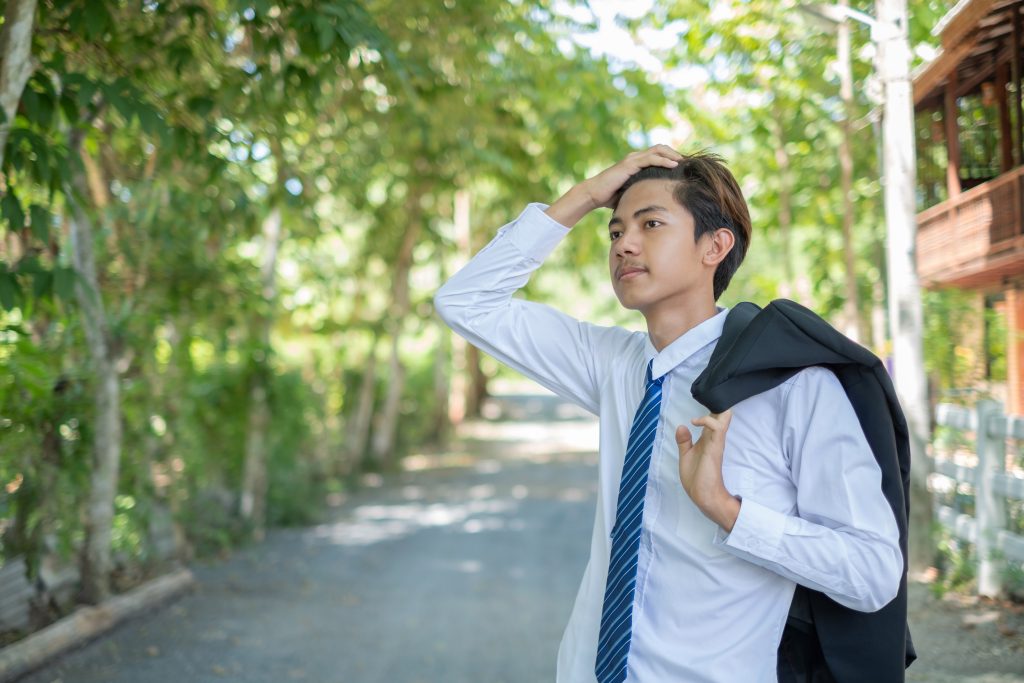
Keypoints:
pixel 975 239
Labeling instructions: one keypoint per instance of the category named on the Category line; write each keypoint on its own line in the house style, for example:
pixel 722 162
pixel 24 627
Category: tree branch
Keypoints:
pixel 16 63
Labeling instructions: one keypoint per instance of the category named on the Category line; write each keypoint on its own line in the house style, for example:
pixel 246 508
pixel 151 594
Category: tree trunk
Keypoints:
pixel 96 561
pixel 476 391
pixel 387 422
pixel 16 62
pixel 442 384
pixel 905 314
pixel 360 432
pixel 789 287
pixel 851 307
pixel 253 499
pixel 459 389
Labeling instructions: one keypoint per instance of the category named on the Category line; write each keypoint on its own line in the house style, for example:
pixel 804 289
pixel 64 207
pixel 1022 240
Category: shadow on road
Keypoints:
pixel 460 569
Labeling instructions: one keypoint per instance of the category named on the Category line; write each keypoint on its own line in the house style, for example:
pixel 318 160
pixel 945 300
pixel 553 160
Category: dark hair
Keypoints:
pixel 706 188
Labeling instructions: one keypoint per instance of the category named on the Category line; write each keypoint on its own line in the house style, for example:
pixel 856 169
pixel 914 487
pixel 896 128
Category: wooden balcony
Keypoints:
pixel 975 240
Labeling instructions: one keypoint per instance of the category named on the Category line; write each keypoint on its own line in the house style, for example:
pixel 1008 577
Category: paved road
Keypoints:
pixel 461 570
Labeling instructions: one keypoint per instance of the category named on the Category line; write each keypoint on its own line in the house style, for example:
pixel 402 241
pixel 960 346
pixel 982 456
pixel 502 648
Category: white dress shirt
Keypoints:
pixel 709 606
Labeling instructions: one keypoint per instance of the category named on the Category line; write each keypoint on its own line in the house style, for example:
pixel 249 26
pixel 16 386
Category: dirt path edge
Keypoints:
pixel 87 623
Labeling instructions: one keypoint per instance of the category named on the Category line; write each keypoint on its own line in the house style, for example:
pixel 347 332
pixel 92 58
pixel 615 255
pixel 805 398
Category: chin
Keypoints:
pixel 629 304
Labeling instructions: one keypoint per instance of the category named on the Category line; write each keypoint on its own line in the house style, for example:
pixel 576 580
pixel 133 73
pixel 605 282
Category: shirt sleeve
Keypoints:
pixel 842 539
pixel 552 348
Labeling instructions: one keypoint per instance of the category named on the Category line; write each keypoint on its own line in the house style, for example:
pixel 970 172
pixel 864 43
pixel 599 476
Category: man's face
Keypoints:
pixel 653 258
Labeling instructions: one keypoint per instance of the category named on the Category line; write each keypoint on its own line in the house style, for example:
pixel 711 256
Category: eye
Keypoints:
pixel 652 223
pixel 614 234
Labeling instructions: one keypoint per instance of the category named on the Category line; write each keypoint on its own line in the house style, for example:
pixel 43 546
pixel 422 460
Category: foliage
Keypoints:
pixel 181 128
pixel 956 564
pixel 178 129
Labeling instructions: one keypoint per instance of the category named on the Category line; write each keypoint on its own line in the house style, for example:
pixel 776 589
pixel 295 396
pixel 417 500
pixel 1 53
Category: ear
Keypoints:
pixel 717 246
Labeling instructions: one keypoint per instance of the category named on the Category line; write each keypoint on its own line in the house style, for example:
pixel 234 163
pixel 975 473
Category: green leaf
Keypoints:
pixel 70 107
pixel 42 283
pixel 97 20
pixel 83 88
pixel 150 120
pixel 40 222
pixel 202 106
pixel 124 106
pixel 325 35
pixel 12 211
pixel 64 283
pixel 28 265
pixel 9 290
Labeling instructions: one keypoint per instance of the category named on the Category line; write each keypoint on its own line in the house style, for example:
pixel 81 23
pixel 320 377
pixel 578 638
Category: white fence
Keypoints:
pixel 986 529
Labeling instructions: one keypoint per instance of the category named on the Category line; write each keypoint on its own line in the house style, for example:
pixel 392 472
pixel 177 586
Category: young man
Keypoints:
pixel 698 543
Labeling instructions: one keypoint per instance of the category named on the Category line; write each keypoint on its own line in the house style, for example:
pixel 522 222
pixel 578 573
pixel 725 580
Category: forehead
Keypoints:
pixel 654 192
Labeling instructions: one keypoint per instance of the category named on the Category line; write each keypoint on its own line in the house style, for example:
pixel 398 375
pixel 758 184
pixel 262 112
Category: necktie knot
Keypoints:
pixel 650 381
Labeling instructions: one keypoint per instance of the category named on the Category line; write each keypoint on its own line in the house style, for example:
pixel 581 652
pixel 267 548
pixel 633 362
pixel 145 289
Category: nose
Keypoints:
pixel 628 242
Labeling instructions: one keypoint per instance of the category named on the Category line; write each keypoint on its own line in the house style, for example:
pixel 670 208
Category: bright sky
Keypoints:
pixel 615 42
pixel 618 45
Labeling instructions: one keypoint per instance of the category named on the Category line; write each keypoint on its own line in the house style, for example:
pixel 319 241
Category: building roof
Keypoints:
pixel 975 36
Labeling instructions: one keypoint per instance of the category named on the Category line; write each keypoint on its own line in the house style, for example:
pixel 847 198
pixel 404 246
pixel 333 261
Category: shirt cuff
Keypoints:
pixel 758 530
pixel 535 233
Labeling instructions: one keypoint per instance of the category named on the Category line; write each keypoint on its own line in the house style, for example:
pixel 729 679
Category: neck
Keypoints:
pixel 665 325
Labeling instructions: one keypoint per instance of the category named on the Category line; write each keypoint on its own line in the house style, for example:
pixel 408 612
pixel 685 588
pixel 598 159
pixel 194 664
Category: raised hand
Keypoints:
pixel 600 190
pixel 700 468
pixel 603 187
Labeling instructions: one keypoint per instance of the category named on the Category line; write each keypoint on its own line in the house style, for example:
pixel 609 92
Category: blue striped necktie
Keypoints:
pixel 617 613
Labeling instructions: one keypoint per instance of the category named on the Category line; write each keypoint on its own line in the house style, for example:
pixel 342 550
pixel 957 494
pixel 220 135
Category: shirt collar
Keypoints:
pixel 687 344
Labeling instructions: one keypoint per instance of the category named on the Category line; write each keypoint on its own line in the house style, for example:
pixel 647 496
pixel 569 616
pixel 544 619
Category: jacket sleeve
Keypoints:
pixel 842 538
pixel 552 348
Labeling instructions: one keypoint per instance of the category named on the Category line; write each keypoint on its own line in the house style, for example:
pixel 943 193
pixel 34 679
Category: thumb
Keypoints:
pixel 683 438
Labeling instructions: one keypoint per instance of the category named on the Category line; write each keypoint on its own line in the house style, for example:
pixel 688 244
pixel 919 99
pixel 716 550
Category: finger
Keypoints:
pixel 710 422
pixel 669 151
pixel 658 160
pixel 684 438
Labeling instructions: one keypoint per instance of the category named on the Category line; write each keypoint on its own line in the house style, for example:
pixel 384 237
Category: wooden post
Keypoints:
pixel 949 116
pixel 1014 351
pixel 1005 129
pixel 988 510
pixel 1017 67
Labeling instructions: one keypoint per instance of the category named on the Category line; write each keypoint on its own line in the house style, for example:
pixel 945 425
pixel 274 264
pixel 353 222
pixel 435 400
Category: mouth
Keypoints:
pixel 631 273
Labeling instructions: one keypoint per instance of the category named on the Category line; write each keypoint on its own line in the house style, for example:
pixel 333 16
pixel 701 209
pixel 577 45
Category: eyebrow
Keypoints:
pixel 636 214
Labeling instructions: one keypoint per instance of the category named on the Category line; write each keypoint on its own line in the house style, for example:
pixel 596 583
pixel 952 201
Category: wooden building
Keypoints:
pixel 970 141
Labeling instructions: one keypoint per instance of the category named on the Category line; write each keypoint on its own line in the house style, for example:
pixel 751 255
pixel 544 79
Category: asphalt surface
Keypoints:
pixel 461 569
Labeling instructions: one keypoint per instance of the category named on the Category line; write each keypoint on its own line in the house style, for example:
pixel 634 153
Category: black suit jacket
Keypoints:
pixel 760 349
